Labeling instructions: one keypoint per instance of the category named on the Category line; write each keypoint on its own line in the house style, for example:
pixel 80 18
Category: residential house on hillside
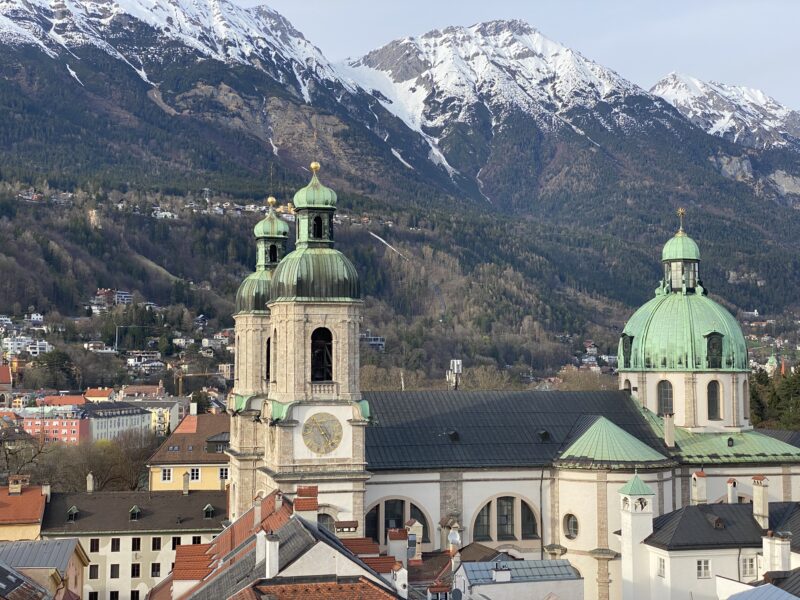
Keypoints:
pixel 6 386
pixel 100 395
pixel 131 537
pixel 196 447
pixel 56 565
pixel 22 508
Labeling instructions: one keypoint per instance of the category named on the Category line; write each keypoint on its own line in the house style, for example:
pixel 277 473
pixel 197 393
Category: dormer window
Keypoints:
pixel 714 350
pixel 208 512
pixel 72 514
pixel 135 512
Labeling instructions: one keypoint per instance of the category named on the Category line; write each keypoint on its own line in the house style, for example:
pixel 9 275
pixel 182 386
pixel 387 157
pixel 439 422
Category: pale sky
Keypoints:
pixel 754 43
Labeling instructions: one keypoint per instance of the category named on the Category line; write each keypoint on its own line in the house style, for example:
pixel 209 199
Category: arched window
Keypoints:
pixel 322 355
pixel 326 521
pixel 627 386
pixel 528 522
pixel 371 524
pixel 570 527
pixel 512 517
pixel 664 398
pixel 713 401
pixel 317 228
pixel 268 359
pixel 394 513
pixel 627 344
pixel 505 518
pixel 482 524
pixel 714 351
pixel 273 253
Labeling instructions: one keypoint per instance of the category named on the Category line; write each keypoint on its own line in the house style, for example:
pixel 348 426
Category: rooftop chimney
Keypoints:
pixel 193 408
pixel 501 573
pixel 400 577
pixel 414 528
pixel 761 500
pixel 278 501
pixel 257 511
pixel 733 497
pixel 186 483
pixel 397 542
pixel 699 488
pixel 272 556
pixel 46 492
pixel 776 547
pixel 90 483
pixel 261 546
pixel 669 431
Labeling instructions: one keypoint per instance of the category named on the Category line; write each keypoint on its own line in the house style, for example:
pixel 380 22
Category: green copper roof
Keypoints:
pixel 315 195
pixel 271 226
pixel 315 274
pixel 636 487
pixel 244 402
pixel 680 247
pixel 670 332
pixel 713 448
pixel 604 444
pixel 254 292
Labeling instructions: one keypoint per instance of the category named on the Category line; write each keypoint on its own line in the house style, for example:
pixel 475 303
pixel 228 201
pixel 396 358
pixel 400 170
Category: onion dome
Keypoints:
pixel 315 271
pixel 682 329
pixel 272 234
pixel 315 195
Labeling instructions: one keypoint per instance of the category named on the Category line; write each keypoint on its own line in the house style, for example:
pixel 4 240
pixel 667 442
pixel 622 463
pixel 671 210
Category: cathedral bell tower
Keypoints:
pixel 312 421
pixel 253 369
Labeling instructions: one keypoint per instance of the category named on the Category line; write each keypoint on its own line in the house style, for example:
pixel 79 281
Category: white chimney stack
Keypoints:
pixel 761 500
pixel 272 556
pixel 257 518
pixel 699 488
pixel 261 546
pixel 90 483
pixel 669 431
pixel 193 409
pixel 186 483
pixel 400 577
pixel 46 492
pixel 501 573
pixel 777 551
pixel 733 497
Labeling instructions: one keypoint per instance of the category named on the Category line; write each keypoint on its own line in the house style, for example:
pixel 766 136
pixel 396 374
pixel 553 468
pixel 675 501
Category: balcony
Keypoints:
pixel 324 390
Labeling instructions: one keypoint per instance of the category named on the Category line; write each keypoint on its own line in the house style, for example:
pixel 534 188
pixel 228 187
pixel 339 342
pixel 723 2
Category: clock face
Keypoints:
pixel 322 433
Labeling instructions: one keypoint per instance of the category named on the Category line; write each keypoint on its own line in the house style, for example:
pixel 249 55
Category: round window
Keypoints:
pixel 570 526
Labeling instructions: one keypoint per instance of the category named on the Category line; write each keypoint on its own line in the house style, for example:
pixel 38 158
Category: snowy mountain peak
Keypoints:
pixel 741 114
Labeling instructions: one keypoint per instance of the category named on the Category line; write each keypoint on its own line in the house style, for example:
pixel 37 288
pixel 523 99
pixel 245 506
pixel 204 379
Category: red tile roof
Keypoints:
pixel 381 564
pixel 363 589
pixel 306 504
pixel 26 507
pixel 61 400
pixel 398 534
pixel 5 375
pixel 361 546
pixel 188 441
pixel 307 491
pixel 99 393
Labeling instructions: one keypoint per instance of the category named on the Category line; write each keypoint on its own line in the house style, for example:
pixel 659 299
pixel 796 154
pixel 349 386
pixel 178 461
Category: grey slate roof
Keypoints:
pixel 109 511
pixel 784 435
pixel 765 592
pixel 43 554
pixel 415 430
pixel 788 581
pixel 521 570
pixel 706 526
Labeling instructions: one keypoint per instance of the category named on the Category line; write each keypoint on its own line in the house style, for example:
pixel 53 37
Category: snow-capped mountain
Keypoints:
pixel 451 75
pixel 216 29
pixel 743 115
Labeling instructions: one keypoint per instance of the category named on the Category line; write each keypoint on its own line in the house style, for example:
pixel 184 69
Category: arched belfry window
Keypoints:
pixel 322 355
pixel 273 253
pixel 317 228
pixel 627 344
pixel 713 401
pixel 664 398
pixel 714 350
pixel 268 358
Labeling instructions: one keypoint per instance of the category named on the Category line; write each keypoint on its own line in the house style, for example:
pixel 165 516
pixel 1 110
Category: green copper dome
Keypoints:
pixel 254 292
pixel 316 274
pixel 682 332
pixel 271 225
pixel 315 195
pixel 680 247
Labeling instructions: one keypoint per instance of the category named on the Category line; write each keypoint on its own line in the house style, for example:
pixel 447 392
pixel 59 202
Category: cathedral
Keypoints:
pixel 535 474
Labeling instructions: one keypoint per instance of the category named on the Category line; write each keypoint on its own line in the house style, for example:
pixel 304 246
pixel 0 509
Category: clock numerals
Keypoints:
pixel 322 433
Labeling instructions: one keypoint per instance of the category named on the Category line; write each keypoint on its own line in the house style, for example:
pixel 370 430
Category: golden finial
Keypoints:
pixel 681 213
pixel 314 167
pixel 271 201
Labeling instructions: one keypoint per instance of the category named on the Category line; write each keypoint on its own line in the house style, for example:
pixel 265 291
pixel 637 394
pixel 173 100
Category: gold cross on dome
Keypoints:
pixel 681 213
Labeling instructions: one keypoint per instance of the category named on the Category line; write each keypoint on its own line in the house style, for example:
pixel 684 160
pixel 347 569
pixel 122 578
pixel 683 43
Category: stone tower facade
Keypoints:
pixel 297 414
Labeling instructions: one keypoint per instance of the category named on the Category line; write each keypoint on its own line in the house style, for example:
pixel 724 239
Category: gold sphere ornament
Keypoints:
pixel 314 167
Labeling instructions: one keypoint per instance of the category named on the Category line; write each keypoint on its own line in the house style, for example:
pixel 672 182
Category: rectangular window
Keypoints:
pixel 135 570
pixel 135 595
pixel 115 544
pixel 176 541
pixel 194 474
pixel 94 545
pixel 114 572
pixel 94 595
pixel 505 518
pixel 195 539
pixel 156 545
pixel 703 569
pixel 662 567
pixel 94 572
pixel 113 596
pixel 223 473
pixel 136 544
pixel 155 570
pixel 166 475
pixel 749 567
